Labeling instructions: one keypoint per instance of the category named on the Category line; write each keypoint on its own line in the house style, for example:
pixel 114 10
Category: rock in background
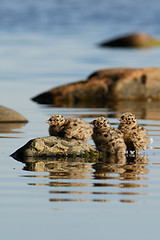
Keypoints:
pixel 8 115
pixel 106 85
pixel 135 40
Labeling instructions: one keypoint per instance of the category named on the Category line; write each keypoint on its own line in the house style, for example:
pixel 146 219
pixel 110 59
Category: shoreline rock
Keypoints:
pixel 106 85
pixel 8 115
pixel 54 146
pixel 134 40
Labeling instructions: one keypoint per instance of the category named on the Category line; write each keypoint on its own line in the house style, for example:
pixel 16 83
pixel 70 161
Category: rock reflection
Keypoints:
pixel 61 169
pixel 78 180
pixel 142 109
pixel 9 128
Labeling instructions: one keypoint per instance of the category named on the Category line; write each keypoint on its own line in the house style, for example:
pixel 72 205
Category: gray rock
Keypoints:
pixel 8 115
pixel 53 146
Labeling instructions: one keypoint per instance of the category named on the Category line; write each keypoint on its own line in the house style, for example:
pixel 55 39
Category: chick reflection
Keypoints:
pixel 122 169
pixel 128 168
pixel 76 180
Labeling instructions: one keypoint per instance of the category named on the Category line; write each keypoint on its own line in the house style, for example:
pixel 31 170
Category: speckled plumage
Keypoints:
pixel 135 136
pixel 107 140
pixel 69 128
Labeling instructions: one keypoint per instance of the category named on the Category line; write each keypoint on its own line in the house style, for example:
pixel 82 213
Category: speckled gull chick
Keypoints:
pixel 69 127
pixel 107 140
pixel 135 136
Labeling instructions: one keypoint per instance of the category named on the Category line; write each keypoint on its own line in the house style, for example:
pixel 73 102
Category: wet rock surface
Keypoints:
pixel 135 40
pixel 106 85
pixel 54 146
pixel 8 115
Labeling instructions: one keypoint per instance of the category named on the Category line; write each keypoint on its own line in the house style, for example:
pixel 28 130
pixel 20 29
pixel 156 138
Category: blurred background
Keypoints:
pixel 47 43
pixel 44 44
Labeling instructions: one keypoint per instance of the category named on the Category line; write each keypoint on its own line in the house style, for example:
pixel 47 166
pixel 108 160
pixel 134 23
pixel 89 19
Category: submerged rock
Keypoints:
pixel 8 115
pixel 136 40
pixel 106 85
pixel 54 146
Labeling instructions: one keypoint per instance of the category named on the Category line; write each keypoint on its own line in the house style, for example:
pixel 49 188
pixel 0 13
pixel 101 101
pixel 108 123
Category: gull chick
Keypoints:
pixel 69 127
pixel 135 136
pixel 107 140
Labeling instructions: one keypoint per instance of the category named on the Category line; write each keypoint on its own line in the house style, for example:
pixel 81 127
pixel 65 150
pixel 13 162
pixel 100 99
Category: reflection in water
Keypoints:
pixel 129 172
pixel 61 170
pixel 142 109
pixel 78 180
pixel 9 128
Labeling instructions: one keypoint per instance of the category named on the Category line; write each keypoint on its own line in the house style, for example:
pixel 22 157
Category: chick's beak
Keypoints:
pixel 119 119
pixel 47 121
pixel 91 122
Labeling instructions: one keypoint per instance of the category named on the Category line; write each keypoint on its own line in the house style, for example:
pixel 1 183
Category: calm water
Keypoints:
pixel 44 44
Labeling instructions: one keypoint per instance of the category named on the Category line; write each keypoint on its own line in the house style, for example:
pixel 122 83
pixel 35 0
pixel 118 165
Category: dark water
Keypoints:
pixel 44 44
